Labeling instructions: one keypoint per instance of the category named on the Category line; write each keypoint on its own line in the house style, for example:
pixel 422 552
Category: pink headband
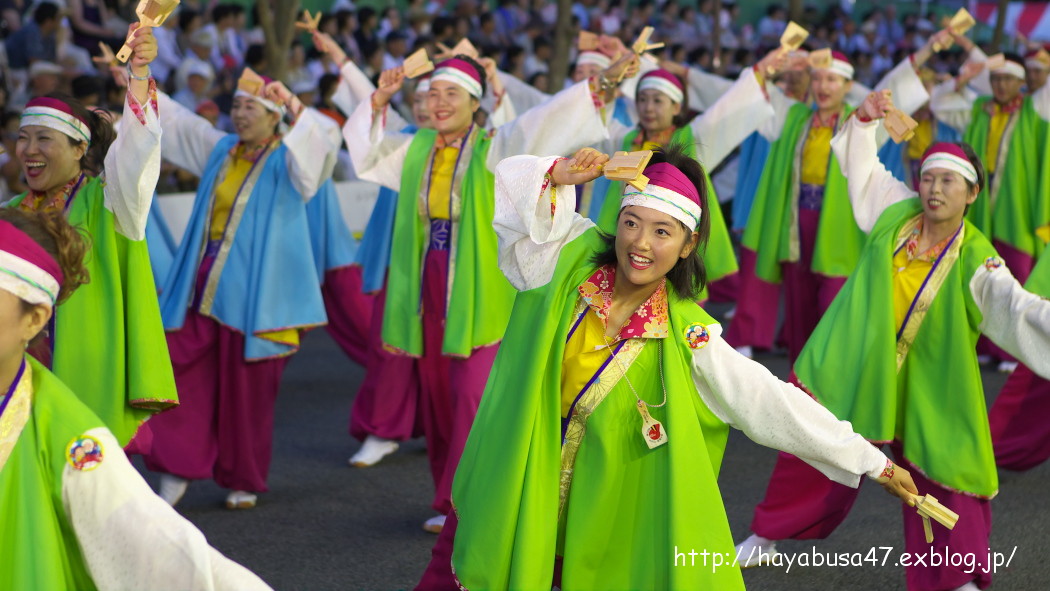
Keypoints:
pixel 55 114
pixel 668 191
pixel 840 65
pixel 460 72
pixel 949 156
pixel 665 82
pixel 26 269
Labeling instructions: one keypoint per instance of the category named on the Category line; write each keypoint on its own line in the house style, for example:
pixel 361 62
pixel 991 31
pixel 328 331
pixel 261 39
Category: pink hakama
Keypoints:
pixel 223 426
pixel 349 311
pixel 802 504
pixel 387 404
pixel 803 288
pixel 1019 421
pixel 754 323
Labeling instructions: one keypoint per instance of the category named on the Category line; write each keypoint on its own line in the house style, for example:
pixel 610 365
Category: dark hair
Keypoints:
pixel 971 155
pixel 45 11
pixel 102 133
pixel 688 277
pixel 86 85
pixel 66 244
pixel 255 55
pixel 186 16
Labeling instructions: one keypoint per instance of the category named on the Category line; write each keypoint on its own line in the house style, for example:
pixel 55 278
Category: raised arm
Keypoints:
pixel 312 142
pixel 131 539
pixel 378 153
pixel 535 216
pixel 871 187
pixel 952 100
pixel 132 164
pixel 188 138
pixel 1013 318
pixel 736 115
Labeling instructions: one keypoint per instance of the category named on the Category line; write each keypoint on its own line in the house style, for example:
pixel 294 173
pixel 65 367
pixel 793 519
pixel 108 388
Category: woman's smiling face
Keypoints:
pixel 648 245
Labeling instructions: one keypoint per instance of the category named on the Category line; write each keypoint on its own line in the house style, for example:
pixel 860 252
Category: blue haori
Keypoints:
pixel 333 245
pixel 265 277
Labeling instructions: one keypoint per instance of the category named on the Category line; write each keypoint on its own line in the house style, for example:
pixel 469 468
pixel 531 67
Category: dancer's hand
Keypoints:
pixel 900 484
pixel 876 105
pixel 585 166
pixel 324 43
pixel 390 82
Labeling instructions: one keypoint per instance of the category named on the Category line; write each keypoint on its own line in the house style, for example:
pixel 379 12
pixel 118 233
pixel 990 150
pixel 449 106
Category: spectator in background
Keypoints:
pixel 366 36
pixel 539 60
pixel 189 22
pixel 199 78
pixel 298 73
pixel 44 78
pixel 772 26
pixel 346 25
pixel 890 28
pixel 37 39
pixel 396 49
pixel 255 58
pixel 169 55
pixel 89 90
pixel 89 20
pixel 390 22
pixel 197 59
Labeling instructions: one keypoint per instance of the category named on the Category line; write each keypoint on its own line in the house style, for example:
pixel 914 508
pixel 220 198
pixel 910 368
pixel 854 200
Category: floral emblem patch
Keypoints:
pixel 697 336
pixel 993 263
pixel 84 453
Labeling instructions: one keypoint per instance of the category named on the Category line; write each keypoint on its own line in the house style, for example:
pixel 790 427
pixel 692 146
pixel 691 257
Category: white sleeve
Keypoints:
pixel 501 111
pixel 530 239
pixel 982 82
pixel 524 95
pixel 871 187
pixel 782 103
pixel 1015 319
pixel 705 88
pixel 954 108
pixel 775 414
pixel 378 154
pixel 565 123
pixel 188 138
pixel 313 146
pixel 736 115
pixel 1041 102
pixel 908 91
pixel 132 167
pixel 131 539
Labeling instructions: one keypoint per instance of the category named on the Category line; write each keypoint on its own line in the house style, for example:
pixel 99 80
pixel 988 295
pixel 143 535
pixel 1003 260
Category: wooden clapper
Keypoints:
pixel 959 24
pixel 152 13
pixel 628 167
pixel 930 508
pixel 418 64
pixel 792 38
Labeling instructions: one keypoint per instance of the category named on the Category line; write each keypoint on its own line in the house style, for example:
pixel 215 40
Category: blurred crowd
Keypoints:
pixel 203 47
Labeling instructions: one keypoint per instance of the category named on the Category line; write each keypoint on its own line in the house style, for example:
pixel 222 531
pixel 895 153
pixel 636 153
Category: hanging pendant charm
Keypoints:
pixel 652 430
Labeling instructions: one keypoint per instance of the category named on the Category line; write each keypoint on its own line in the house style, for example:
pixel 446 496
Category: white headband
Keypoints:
pixel 423 85
pixel 663 85
pixel 58 120
pixel 459 78
pixel 1011 68
pixel 1036 63
pixel 593 58
pixel 268 104
pixel 666 201
pixel 950 162
pixel 27 281
pixel 841 68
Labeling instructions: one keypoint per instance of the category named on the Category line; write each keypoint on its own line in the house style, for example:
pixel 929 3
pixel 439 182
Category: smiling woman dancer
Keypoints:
pixel 107 343
pixel 243 284
pixel 895 353
pixel 599 439
pixel 447 303
pixel 75 514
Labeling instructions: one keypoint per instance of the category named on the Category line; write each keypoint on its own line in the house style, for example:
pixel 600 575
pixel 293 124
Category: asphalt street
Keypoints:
pixel 324 525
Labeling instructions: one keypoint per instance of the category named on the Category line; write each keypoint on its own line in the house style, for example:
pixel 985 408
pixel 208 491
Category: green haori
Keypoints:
pixel 40 546
pixel 109 341
pixel 719 258
pixel 479 296
pixel 1012 205
pixel 629 510
pixel 935 403
pixel 772 230
pixel 1039 281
